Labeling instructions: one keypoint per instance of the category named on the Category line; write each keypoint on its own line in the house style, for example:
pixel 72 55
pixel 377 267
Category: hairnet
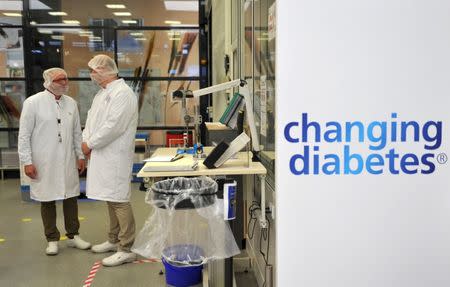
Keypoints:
pixel 51 74
pixel 103 65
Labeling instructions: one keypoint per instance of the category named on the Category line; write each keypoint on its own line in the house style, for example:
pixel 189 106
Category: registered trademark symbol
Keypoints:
pixel 442 158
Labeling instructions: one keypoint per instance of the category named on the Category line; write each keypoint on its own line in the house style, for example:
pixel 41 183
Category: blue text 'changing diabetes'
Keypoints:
pixel 383 141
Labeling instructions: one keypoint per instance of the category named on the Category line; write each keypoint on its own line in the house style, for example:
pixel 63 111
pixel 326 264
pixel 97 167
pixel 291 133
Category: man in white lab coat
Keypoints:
pixel 108 140
pixel 49 149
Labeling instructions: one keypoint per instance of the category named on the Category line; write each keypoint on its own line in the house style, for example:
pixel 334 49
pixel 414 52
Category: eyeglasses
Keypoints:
pixel 61 80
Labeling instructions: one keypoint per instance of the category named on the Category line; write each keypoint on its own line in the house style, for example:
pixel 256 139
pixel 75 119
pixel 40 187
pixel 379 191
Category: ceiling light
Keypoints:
pixel 45 31
pixel 181 5
pixel 79 44
pixel 115 6
pixel 95 39
pixel 183 25
pixel 129 21
pixel 12 14
pixel 136 34
pixel 33 23
pixel 140 39
pixel 57 37
pixel 122 13
pixel 57 13
pixel 74 22
pixel 170 22
pixel 173 33
pixel 57 30
pixel 85 34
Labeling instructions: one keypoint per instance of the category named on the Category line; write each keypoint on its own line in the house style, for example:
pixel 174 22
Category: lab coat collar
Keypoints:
pixel 113 83
pixel 52 96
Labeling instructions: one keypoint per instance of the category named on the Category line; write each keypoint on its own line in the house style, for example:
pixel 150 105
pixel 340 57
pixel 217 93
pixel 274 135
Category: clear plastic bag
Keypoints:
pixel 187 225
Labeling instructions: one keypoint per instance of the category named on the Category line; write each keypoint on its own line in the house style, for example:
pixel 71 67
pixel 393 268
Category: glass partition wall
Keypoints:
pixel 155 45
pixel 258 64
pixel 12 73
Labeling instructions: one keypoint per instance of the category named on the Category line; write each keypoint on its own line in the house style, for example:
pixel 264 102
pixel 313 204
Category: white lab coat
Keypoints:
pixel 55 162
pixel 110 131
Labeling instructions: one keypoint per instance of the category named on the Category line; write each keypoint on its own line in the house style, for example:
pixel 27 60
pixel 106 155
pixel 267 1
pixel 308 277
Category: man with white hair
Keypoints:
pixel 50 150
pixel 108 140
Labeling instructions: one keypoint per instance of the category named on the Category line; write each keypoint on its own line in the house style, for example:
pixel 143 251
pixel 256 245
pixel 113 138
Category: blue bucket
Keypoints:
pixel 183 275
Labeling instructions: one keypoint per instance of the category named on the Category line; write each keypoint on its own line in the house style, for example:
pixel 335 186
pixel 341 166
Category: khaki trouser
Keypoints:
pixel 122 227
pixel 71 223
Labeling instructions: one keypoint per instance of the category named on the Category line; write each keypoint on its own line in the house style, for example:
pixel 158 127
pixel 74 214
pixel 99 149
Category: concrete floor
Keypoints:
pixel 22 246
pixel 23 261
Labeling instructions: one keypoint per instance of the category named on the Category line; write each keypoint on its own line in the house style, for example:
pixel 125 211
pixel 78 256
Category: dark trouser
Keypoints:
pixel 121 225
pixel 71 223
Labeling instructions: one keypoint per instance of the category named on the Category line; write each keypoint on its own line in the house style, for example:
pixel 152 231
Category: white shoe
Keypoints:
pixel 79 243
pixel 118 258
pixel 52 248
pixel 104 247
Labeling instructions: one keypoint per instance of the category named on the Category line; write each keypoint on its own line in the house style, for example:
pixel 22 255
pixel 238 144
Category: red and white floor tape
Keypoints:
pixel 98 264
pixel 90 278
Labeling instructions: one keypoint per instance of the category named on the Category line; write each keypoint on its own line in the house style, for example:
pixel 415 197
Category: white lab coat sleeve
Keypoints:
pixel 77 136
pixel 26 126
pixel 116 123
pixel 86 131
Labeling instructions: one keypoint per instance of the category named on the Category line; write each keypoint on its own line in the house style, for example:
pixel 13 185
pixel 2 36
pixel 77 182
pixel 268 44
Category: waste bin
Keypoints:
pixel 187 228
pixel 183 264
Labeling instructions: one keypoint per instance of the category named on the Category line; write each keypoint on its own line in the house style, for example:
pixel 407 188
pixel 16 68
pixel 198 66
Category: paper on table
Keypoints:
pixel 173 166
pixel 159 158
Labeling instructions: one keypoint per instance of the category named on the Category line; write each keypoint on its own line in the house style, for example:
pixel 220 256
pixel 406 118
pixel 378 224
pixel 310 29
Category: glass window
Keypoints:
pixel 12 95
pixel 126 13
pixel 168 53
pixel 259 66
pixel 70 48
pixel 4 139
pixel 83 92
pixel 11 53
pixel 156 105
pixel 11 12
pixel 264 49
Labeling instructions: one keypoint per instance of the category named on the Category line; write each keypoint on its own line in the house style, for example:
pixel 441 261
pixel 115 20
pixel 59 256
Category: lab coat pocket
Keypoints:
pixel 108 163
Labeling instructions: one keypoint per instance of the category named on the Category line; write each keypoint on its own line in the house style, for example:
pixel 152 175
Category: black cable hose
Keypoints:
pixel 250 236
pixel 251 211
pixel 266 238
pixel 265 233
